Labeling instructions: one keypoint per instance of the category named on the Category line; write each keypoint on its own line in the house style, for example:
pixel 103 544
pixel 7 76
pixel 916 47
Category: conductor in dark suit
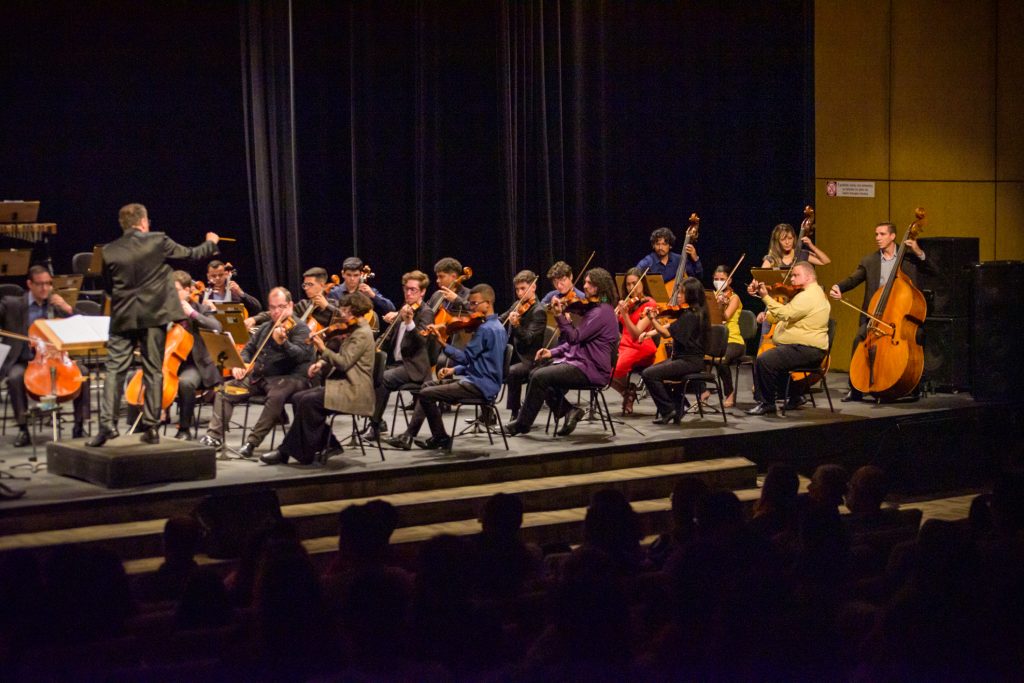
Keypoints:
pixel 143 302
pixel 17 313
pixel 874 271
pixel 411 353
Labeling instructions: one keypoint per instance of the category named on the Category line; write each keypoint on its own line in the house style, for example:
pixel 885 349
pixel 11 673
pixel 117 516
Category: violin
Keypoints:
pixel 526 304
pixel 177 346
pixel 461 323
pixel 394 323
pixel 572 303
pixel 335 330
pixel 441 314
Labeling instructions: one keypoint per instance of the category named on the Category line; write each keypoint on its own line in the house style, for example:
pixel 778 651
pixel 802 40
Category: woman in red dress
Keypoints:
pixel 636 349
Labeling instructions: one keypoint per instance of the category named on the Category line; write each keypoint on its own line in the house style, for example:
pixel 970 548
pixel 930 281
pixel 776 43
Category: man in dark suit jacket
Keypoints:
pixel 526 332
pixel 410 350
pixel 143 302
pixel 874 271
pixel 17 313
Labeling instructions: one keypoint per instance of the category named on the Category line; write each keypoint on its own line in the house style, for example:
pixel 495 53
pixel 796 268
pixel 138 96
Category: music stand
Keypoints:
pixel 69 295
pixel 221 346
pixel 68 282
pixel 19 211
pixel 659 290
pixel 232 319
pixel 15 261
pixel 95 268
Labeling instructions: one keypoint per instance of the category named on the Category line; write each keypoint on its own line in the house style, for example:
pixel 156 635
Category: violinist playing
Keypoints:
pixel 801 336
pixel 731 308
pixel 277 358
pixel 782 252
pixel 347 388
pixel 874 270
pixel 17 314
pixel 689 333
pixel 314 284
pixel 527 322
pixel 560 275
pixel 199 371
pixel 636 350
pixel 479 365
pixel 409 351
pixel 353 280
pixel 582 358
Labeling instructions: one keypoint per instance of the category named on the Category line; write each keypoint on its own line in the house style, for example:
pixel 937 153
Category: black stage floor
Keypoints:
pixel 948 436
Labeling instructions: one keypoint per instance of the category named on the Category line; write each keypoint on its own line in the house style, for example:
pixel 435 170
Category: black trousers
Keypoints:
pixel 426 404
pixel 548 383
pixel 19 397
pixel 518 375
pixel 277 390
pixel 394 377
pixel 309 432
pixel 732 352
pixel 675 369
pixel 772 367
pixel 189 382
pixel 119 356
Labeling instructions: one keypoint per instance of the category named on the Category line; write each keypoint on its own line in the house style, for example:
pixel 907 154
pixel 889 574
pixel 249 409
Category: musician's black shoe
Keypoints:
pixel 248 450
pixel 183 435
pixel 22 439
pixel 78 431
pixel 435 443
pixel 151 435
pixel 372 432
pixel 7 493
pixel 513 428
pixel 274 457
pixel 668 418
pixel 852 396
pixel 795 402
pixel 572 418
pixel 321 457
pixel 762 409
pixel 102 436
pixel 402 442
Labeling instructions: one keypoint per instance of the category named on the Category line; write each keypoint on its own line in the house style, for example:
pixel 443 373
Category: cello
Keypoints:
pixel 889 362
pixel 51 372
pixel 177 346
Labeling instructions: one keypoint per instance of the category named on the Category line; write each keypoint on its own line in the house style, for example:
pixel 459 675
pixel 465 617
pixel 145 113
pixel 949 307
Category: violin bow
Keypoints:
pixel 728 280
pixel 863 312
pixel 520 300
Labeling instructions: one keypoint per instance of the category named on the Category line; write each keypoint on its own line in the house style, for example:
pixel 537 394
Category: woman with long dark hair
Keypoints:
pixel 636 350
pixel 689 333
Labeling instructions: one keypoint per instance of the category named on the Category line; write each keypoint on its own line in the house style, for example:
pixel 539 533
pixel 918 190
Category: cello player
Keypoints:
pixel 874 270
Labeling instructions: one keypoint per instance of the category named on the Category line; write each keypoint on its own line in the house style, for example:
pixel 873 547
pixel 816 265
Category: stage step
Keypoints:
pixel 424 509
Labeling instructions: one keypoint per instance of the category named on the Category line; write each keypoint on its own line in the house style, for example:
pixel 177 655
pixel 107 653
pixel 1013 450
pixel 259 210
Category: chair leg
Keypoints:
pixel 721 399
pixel 455 427
pixel 785 396
pixel 604 402
pixel 476 414
pixel 501 427
pixel 828 395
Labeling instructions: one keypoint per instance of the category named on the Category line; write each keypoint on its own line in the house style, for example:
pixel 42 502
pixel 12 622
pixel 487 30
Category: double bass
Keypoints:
pixel 889 362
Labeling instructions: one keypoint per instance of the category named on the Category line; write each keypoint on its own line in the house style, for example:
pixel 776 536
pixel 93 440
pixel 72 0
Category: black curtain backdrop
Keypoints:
pixel 506 134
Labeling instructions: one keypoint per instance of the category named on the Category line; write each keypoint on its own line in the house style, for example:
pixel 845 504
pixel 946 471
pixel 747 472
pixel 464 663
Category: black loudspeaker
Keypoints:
pixel 947 353
pixel 953 257
pixel 230 520
pixel 997 354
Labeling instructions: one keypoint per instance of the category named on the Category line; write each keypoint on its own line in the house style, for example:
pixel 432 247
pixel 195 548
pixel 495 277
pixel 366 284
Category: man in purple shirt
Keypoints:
pixel 582 358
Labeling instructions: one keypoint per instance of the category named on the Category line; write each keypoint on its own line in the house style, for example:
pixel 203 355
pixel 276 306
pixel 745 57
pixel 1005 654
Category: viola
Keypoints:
pixel 177 346
pixel 889 362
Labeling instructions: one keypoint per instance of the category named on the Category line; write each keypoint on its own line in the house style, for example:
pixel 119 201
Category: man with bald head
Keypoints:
pixel 801 335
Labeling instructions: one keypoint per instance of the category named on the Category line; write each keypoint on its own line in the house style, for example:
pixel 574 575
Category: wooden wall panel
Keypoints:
pixel 845 229
pixel 1010 93
pixel 1010 221
pixel 943 94
pixel 851 89
pixel 953 210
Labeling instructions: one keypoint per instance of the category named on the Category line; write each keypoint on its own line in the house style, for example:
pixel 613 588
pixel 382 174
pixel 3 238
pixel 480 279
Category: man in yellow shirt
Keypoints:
pixel 801 335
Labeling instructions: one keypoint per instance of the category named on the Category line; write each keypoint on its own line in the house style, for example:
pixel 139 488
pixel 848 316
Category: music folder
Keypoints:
pixel 18 211
pixel 15 261
pixel 232 319
pixel 221 346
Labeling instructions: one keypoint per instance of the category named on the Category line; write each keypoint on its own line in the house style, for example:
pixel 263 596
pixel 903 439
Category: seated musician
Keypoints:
pixel 277 372
pixel 665 262
pixel 689 333
pixel 17 314
pixel 737 346
pixel 450 298
pixel 874 270
pixel 560 275
pixel 582 358
pixel 480 366
pixel 526 332
pixel 222 287
pixel 346 367
pixel 314 282
pixel 801 335
pixel 409 351
pixel 782 251
pixel 352 281
pixel 636 350
pixel 198 371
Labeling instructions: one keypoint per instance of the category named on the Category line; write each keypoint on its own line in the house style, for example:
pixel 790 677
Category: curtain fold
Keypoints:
pixel 269 120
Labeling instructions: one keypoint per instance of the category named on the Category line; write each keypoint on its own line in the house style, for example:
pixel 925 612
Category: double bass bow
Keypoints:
pixel 889 362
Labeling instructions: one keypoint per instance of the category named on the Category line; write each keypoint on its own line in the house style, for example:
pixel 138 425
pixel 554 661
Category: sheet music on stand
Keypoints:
pixel 77 334
pixel 232 319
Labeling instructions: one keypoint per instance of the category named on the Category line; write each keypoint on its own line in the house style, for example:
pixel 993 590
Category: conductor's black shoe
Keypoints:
pixel 151 435
pixel 102 436
pixel 274 457
pixel 762 409
pixel 402 441
pixel 572 419
pixel 248 450
pixel 435 442
pixel 78 431
pixel 852 396
pixel 22 439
